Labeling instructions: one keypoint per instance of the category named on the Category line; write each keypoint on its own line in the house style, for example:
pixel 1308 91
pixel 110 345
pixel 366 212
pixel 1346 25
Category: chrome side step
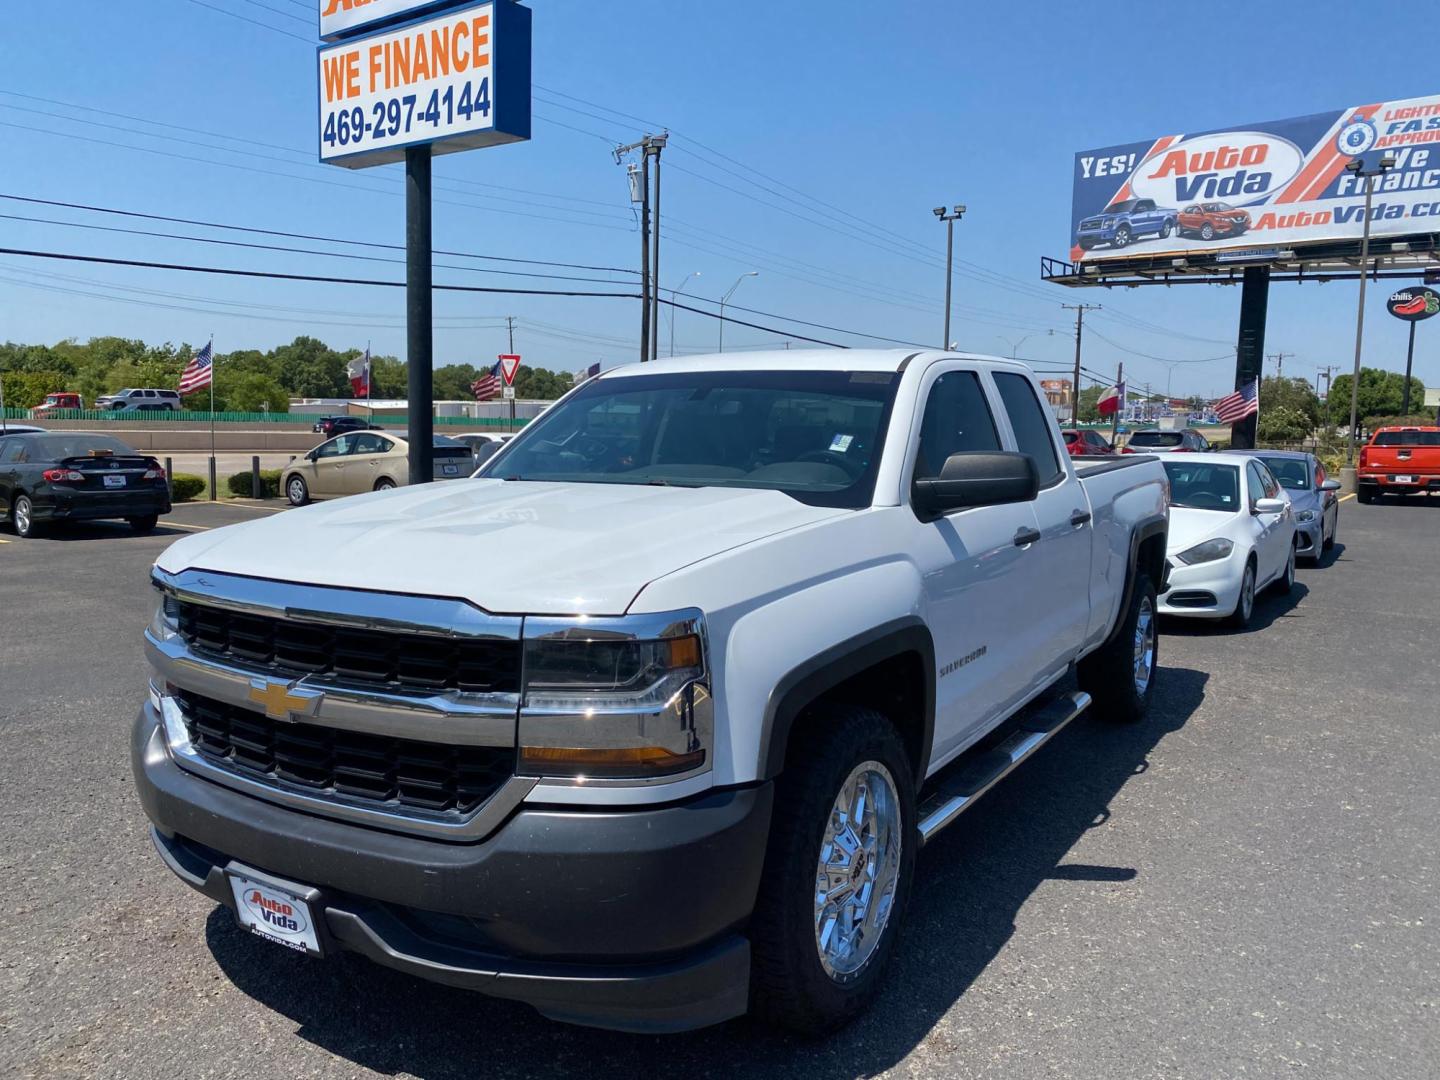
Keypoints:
pixel 972 779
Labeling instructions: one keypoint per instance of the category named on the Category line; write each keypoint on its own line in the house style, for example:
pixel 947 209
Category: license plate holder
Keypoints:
pixel 450 470
pixel 114 481
pixel 277 910
pixel 1402 479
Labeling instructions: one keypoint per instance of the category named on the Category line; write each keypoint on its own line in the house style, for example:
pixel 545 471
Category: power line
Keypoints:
pixel 252 22
pixel 302 236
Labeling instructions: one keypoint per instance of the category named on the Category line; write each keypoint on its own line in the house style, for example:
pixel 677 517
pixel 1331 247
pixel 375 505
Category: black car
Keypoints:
pixel 58 477
pixel 330 426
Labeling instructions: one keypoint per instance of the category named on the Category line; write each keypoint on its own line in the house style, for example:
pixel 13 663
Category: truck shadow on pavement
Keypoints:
pixel 970 884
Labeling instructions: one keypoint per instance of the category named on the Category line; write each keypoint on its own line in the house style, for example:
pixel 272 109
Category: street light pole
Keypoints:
pixel 677 292
pixel 726 299
pixel 949 217
pixel 1358 168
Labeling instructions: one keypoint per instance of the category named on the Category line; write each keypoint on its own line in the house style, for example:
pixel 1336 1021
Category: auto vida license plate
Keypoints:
pixel 275 913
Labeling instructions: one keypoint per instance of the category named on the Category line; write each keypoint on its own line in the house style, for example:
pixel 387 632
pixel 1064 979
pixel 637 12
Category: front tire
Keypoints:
pixel 1120 675
pixel 1245 602
pixel 1328 544
pixel 837 872
pixel 297 491
pixel 1286 581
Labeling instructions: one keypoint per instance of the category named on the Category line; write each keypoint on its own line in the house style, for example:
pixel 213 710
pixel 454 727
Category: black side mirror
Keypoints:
pixel 977 478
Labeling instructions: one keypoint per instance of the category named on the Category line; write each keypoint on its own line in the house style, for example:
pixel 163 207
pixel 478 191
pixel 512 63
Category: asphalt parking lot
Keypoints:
pixel 1244 886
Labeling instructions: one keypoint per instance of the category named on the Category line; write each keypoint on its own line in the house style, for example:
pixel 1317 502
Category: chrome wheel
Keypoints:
pixel 1144 646
pixel 858 870
pixel 297 491
pixel 1247 593
pixel 1290 571
pixel 22 516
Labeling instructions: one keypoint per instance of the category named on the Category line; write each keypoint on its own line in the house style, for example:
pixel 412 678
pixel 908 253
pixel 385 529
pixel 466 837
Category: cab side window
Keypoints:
pixel 11 451
pixel 1272 486
pixel 956 419
pixel 1031 425
pixel 334 448
pixel 366 443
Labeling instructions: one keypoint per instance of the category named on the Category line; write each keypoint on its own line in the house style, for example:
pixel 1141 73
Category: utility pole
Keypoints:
pixel 1358 168
pixel 1279 359
pixel 653 145
pixel 1119 405
pixel 1079 310
pixel 639 176
pixel 949 217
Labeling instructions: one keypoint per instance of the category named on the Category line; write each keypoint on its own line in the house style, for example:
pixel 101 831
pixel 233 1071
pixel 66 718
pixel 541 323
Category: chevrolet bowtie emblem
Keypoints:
pixel 284 702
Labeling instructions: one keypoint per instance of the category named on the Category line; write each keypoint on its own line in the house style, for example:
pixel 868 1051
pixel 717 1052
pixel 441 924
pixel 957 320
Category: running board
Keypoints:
pixel 1034 728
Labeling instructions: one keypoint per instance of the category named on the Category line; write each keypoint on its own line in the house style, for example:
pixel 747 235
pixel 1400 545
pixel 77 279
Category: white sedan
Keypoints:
pixel 1232 533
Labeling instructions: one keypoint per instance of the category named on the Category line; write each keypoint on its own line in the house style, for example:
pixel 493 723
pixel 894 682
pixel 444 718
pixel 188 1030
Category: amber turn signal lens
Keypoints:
pixel 684 652
pixel 606 762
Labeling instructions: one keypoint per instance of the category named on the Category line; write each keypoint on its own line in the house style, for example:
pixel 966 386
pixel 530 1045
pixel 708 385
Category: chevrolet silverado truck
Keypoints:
pixel 1124 221
pixel 1399 461
pixel 645 724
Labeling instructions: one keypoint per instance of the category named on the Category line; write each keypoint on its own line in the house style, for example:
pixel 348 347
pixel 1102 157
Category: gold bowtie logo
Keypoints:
pixel 282 702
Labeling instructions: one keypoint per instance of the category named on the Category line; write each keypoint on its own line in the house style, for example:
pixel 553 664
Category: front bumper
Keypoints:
pixel 630 919
pixel 1309 537
pixel 1205 590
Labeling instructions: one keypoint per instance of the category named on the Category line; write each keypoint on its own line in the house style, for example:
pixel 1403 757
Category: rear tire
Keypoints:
pixel 807 974
pixel 22 517
pixel 1364 495
pixel 297 491
pixel 1120 675
pixel 384 484
pixel 144 524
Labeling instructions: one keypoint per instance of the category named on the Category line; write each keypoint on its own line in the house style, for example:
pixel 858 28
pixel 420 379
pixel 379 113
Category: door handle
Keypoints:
pixel 1079 517
pixel 1025 537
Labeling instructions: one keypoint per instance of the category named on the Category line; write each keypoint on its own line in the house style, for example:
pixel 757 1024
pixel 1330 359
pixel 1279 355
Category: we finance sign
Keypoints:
pixel 1271 185
pixel 456 80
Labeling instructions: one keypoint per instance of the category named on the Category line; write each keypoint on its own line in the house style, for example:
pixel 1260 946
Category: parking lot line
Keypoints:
pixel 192 528
pixel 1344 497
pixel 3 540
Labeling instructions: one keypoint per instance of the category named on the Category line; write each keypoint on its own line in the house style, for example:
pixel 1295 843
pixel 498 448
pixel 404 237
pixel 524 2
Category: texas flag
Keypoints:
pixel 359 372
pixel 1111 400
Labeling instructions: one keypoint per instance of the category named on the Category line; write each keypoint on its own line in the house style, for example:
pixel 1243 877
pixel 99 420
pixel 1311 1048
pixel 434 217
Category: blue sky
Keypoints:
pixel 811 141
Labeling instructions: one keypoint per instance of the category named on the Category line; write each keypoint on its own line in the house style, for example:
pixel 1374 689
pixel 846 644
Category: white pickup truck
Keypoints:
pixel 646 724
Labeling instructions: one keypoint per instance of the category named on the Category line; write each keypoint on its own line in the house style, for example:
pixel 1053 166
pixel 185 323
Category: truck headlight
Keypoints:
pixel 165 624
pixel 1305 516
pixel 1209 551
pixel 615 699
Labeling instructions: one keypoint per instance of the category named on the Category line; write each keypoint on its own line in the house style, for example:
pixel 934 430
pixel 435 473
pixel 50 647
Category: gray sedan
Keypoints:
pixel 1312 497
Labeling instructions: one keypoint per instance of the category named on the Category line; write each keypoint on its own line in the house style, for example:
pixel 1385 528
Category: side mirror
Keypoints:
pixel 1270 506
pixel 1330 485
pixel 977 478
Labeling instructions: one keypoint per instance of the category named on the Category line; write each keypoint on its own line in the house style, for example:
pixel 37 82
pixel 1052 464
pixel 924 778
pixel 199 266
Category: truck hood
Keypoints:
pixel 1188 527
pixel 507 546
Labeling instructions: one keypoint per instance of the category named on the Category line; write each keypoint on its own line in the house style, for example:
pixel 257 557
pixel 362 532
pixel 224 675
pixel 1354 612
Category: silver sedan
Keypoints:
pixel 1312 495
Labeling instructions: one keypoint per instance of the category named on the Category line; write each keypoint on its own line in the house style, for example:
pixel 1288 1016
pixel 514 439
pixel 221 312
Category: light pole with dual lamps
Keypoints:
pixel 1357 167
pixel 949 217
pixel 673 295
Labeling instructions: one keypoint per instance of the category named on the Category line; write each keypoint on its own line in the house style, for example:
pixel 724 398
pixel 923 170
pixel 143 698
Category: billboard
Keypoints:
pixel 339 18
pixel 456 81
pixel 1267 186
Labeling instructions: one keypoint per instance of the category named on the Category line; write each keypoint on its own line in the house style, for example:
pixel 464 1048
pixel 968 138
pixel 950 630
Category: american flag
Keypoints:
pixel 487 386
pixel 1242 403
pixel 198 372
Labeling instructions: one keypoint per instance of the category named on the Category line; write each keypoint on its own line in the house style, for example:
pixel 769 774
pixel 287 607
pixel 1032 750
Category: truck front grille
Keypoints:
pixel 389 773
pixel 422 663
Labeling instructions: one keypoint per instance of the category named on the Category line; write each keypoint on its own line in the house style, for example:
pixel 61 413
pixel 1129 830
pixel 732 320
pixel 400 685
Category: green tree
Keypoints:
pixel 1284 424
pixel 1294 395
pixel 1089 399
pixel 452 382
pixel 1381 394
pixel 310 368
pixel 26 389
pixel 248 391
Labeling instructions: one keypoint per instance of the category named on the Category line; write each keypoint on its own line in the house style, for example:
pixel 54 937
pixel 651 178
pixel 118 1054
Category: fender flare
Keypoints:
pixel 1155 525
pixel 827 670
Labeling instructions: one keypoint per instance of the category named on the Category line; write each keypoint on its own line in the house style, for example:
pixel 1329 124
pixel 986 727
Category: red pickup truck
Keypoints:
pixel 1399 461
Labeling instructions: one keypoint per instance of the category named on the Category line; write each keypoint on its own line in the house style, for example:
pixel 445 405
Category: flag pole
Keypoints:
pixel 213 494
pixel 1119 405
pixel 369 386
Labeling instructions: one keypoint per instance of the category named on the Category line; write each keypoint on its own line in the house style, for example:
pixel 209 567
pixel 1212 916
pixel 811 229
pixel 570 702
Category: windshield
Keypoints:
pixel 1412 437
pixel 1156 438
pixel 1202 486
pixel 1120 207
pixel 1293 473
pixel 815 435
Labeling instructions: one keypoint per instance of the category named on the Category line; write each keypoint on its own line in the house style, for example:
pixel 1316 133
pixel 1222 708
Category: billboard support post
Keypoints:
pixel 1409 360
pixel 419 307
pixel 1250 347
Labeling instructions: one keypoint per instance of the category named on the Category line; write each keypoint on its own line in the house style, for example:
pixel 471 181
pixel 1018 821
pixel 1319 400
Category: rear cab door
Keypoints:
pixel 1059 573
